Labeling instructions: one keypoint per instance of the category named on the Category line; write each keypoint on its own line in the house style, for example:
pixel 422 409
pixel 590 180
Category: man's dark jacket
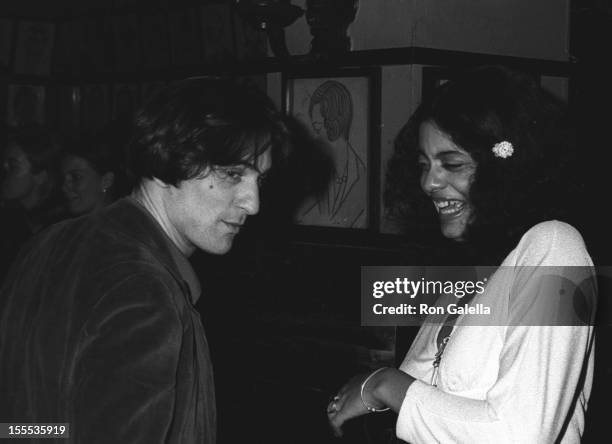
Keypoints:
pixel 98 329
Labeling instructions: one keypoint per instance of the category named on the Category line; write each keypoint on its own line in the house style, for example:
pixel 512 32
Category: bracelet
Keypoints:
pixel 363 384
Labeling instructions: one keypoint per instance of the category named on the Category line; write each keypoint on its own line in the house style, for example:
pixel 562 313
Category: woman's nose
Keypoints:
pixel 432 180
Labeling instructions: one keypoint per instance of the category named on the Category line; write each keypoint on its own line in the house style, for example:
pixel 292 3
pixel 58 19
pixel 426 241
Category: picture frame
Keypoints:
pixel 341 111
pixel 34 48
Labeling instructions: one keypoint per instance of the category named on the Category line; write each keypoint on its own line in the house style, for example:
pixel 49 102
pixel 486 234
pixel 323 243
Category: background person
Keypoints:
pixel 89 171
pixel 30 198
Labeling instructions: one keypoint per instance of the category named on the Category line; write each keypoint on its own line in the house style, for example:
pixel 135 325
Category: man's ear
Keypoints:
pixel 108 179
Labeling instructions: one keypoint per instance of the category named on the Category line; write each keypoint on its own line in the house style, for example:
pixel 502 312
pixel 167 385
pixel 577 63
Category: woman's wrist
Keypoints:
pixel 368 386
pixel 388 388
pixel 377 386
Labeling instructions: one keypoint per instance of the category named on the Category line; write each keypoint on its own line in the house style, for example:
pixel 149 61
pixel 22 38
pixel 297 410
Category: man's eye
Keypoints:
pixel 453 166
pixel 234 175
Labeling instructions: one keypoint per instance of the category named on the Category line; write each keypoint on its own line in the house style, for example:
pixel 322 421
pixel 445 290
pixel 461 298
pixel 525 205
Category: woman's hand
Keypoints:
pixel 385 388
pixel 346 404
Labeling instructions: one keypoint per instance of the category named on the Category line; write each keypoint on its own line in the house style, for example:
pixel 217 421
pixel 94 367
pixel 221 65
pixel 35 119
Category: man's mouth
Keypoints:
pixel 234 226
pixel 449 207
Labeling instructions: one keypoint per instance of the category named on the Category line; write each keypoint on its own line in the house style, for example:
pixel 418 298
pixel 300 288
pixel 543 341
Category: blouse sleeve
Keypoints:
pixel 542 368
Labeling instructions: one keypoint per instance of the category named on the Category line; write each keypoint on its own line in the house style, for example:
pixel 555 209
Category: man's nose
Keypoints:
pixel 249 200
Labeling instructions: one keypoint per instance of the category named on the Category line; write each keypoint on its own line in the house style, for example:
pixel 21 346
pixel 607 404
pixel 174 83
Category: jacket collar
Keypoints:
pixel 130 217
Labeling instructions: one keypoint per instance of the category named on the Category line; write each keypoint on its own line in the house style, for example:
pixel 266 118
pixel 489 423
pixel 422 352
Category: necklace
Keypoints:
pixel 437 359
pixel 445 332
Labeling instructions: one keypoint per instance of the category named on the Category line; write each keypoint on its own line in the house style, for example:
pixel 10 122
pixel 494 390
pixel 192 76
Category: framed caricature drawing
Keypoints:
pixel 341 110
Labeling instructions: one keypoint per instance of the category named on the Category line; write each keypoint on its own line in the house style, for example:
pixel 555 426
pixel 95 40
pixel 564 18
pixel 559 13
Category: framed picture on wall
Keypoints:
pixel 26 104
pixel 341 111
pixel 34 48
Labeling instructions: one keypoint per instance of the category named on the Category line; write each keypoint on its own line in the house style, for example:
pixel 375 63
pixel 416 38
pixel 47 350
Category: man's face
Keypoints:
pixel 208 212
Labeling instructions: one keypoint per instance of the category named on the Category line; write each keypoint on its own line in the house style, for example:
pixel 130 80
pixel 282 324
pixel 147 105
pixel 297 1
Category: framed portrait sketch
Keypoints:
pixel 341 111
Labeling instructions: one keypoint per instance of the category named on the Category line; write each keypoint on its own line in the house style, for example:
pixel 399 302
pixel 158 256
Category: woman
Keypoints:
pixel 89 172
pixel 29 188
pixel 490 152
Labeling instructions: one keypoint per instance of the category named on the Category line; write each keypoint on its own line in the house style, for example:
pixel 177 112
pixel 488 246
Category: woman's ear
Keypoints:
pixel 108 179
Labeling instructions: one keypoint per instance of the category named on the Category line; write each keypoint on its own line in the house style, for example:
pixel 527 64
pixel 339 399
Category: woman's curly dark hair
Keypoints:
pixel 477 110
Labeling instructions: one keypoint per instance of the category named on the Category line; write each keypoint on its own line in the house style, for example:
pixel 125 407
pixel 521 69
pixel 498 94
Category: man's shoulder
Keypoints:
pixel 117 238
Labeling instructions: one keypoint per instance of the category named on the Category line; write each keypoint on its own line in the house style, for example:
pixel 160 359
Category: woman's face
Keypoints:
pixel 83 187
pixel 18 182
pixel 447 172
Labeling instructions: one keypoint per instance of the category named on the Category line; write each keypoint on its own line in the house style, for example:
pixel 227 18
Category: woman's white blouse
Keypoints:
pixel 508 382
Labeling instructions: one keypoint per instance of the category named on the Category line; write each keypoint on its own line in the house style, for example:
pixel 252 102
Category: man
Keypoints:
pixel 97 324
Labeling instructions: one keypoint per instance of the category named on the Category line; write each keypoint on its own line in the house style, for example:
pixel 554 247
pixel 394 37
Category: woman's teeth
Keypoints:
pixel 449 207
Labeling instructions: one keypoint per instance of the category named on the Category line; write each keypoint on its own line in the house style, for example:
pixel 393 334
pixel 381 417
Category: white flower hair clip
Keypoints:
pixel 503 149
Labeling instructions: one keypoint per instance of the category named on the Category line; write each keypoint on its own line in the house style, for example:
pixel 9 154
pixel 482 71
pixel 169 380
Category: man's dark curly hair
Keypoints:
pixel 477 110
pixel 197 124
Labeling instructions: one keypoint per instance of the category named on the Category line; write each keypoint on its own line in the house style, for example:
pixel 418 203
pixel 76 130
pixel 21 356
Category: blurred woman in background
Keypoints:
pixel 30 196
pixel 89 171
